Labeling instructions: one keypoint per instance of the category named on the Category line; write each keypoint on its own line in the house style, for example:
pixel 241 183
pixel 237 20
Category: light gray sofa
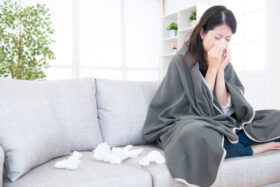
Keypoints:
pixel 42 122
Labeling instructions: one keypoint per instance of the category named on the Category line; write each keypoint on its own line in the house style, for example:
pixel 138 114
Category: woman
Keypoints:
pixel 199 114
pixel 215 44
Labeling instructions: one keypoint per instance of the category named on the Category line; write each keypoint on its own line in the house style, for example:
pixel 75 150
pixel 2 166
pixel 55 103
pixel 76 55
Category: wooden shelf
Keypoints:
pixel 169 55
pixel 187 29
pixel 168 39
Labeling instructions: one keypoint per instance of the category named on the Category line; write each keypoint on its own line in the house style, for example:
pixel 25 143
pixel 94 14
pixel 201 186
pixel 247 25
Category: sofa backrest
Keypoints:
pixel 94 110
pixel 122 109
pixel 73 105
pixel 2 159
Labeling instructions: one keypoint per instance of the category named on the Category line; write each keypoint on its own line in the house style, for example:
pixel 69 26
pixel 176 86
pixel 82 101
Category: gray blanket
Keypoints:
pixel 185 119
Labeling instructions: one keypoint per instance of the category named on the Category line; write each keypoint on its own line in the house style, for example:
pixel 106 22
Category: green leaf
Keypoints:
pixel 25 55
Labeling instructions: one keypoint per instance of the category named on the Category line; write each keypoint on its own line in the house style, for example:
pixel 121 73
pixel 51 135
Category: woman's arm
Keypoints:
pixel 215 71
pixel 220 89
pixel 217 61
pixel 210 78
pixel 214 57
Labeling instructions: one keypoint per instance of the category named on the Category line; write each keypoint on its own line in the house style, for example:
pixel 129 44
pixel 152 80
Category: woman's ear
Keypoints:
pixel 201 34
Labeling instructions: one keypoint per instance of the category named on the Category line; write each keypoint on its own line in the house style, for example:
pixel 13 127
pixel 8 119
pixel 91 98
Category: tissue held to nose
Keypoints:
pixel 224 54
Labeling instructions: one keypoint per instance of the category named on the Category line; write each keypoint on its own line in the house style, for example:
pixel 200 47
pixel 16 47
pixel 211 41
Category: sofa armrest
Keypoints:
pixel 2 158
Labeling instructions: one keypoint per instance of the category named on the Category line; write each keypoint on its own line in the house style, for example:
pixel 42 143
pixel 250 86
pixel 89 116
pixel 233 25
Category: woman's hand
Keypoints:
pixel 214 56
pixel 226 58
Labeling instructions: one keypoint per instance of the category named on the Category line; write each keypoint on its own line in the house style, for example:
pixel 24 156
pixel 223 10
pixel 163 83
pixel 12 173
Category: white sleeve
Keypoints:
pixel 228 109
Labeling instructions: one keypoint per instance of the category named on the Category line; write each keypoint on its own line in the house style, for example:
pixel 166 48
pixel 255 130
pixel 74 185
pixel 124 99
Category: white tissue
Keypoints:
pixel 116 155
pixel 70 163
pixel 225 46
pixel 152 156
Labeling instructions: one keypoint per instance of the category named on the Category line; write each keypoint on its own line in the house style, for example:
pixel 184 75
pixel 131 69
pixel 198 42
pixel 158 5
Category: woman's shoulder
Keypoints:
pixel 182 50
pixel 181 57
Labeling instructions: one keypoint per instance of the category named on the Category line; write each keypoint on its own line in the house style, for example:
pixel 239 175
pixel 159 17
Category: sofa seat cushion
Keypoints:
pixel 90 173
pixel 277 184
pixel 160 173
pixel 258 170
pixel 255 170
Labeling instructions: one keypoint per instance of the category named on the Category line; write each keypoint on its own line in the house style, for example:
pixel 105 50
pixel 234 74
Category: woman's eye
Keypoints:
pixel 217 38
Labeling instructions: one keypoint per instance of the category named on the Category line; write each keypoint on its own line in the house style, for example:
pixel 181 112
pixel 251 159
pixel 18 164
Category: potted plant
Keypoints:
pixel 24 41
pixel 192 18
pixel 172 27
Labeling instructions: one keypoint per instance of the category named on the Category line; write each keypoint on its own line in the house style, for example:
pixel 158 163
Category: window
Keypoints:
pixel 248 44
pixel 61 12
pixel 115 39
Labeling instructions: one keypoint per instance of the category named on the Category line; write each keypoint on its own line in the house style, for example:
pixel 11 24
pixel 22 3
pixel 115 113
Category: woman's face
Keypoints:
pixel 219 32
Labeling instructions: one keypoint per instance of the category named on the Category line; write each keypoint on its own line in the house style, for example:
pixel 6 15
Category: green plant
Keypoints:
pixel 172 26
pixel 24 41
pixel 192 16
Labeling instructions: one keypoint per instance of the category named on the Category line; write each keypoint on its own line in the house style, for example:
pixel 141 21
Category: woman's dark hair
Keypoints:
pixel 212 17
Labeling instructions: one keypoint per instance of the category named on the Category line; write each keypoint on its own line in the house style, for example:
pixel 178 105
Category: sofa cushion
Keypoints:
pixel 74 104
pixel 90 172
pixel 29 133
pixel 276 184
pixel 122 108
pixel 248 171
pixel 255 170
pixel 160 173
pixel 2 159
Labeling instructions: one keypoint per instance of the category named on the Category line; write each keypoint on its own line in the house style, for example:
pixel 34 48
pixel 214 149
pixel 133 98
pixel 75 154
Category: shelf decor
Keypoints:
pixel 172 27
pixel 192 18
pixel 180 20
pixel 175 47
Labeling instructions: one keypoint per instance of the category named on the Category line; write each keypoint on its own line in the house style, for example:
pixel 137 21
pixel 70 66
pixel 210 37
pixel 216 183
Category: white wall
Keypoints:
pixel 175 5
pixel 258 84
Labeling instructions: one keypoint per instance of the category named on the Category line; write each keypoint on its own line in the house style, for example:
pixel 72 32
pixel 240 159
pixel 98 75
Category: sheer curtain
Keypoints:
pixel 61 12
pixel 114 39
pixel 249 49
pixel 249 39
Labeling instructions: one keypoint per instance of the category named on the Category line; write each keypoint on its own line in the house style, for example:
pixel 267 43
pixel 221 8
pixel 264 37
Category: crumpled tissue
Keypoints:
pixel 71 162
pixel 153 156
pixel 116 155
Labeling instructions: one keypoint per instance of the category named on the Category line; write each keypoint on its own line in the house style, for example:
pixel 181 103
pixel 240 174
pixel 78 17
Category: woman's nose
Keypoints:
pixel 223 40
